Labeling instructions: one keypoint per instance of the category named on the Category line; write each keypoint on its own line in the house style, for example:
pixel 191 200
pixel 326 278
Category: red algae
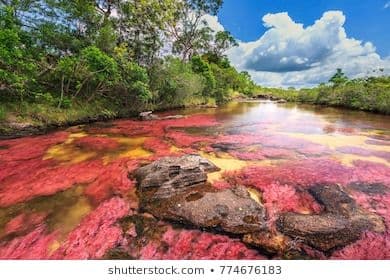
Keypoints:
pixel 302 173
pixel 45 178
pixel 367 171
pixel 96 143
pixel 24 223
pixel 197 245
pixel 112 180
pixel 29 147
pixel 372 246
pixel 182 139
pixel 158 146
pixel 96 234
pixel 32 246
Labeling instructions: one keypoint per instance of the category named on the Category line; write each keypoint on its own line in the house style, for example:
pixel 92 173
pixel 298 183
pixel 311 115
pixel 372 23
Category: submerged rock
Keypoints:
pixel 341 223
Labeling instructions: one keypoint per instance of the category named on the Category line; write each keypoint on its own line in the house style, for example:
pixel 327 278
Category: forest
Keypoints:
pixel 67 60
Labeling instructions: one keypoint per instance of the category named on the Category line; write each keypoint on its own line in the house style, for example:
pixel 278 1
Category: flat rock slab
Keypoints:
pixel 171 176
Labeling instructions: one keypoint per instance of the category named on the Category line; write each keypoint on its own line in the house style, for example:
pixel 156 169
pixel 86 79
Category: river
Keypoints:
pixel 67 194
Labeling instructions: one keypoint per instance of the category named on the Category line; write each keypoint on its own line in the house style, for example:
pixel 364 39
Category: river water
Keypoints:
pixel 63 195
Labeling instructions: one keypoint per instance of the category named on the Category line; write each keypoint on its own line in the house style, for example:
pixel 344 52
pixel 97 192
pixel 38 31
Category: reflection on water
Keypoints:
pixel 63 181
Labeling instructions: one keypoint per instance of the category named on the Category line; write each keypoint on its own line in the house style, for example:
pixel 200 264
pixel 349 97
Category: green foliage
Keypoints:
pixel 174 82
pixel 203 68
pixel 339 78
pixel 17 69
pixel 368 94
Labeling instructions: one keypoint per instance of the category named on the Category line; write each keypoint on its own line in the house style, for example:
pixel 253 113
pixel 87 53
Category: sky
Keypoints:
pixel 301 43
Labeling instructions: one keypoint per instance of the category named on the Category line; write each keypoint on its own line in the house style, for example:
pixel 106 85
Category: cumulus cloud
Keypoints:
pixel 289 54
pixel 213 23
pixel 387 5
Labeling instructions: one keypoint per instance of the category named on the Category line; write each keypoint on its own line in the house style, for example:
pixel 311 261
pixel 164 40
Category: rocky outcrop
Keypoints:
pixel 174 189
pixel 341 223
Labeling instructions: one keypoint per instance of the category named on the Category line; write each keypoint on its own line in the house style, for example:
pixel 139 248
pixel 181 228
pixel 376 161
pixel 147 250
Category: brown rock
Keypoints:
pixel 175 189
pixel 170 176
pixel 230 210
pixel 341 223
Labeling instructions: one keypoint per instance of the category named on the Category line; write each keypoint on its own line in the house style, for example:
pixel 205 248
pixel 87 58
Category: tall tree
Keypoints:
pixel 190 33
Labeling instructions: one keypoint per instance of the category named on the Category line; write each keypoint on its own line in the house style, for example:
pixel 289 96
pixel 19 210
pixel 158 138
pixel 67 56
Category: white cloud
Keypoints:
pixel 387 5
pixel 213 22
pixel 289 54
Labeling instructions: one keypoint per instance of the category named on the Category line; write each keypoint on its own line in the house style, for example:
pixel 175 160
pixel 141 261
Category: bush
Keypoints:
pixel 174 82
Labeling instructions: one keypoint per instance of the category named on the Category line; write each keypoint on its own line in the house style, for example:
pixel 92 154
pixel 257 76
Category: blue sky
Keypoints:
pixel 300 42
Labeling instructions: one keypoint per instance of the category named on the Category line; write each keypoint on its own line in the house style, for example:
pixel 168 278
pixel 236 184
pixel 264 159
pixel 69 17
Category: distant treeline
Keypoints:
pixel 368 94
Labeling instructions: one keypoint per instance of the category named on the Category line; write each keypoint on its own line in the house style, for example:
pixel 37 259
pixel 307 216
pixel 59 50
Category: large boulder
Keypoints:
pixel 175 189
pixel 230 210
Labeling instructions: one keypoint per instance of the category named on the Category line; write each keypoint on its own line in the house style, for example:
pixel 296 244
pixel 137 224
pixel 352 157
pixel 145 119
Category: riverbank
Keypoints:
pixel 369 94
pixel 21 120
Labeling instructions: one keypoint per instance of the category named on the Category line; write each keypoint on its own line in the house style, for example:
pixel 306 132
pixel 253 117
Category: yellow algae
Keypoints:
pixel 175 149
pixel 54 246
pixel 68 153
pixel 226 163
pixel 255 195
pixel 68 219
pixel 348 159
pixel 74 136
pixel 130 148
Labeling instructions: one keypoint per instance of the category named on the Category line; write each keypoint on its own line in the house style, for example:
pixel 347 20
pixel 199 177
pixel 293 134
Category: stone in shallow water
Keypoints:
pixel 175 189
pixel 341 224
pixel 172 175
pixel 230 210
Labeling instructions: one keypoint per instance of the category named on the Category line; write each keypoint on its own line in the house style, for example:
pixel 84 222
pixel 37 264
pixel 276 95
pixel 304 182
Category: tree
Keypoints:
pixel 339 78
pixel 141 25
pixel 190 33
pixel 223 40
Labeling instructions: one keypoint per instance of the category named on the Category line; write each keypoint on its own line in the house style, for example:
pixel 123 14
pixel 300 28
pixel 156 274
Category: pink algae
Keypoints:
pixel 28 148
pixel 32 246
pixel 182 139
pixel 197 245
pixel 96 143
pixel 97 233
pixel 112 180
pixel 24 223
pixel 157 146
pixel 372 246
pixel 44 178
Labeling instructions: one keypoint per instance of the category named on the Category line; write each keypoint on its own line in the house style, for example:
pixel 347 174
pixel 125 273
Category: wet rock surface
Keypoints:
pixel 340 224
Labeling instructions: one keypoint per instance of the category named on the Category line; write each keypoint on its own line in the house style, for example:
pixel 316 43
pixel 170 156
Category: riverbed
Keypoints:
pixel 70 194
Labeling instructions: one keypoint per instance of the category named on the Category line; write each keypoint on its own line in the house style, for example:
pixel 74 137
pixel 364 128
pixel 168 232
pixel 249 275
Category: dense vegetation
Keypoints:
pixel 63 60
pixel 368 94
